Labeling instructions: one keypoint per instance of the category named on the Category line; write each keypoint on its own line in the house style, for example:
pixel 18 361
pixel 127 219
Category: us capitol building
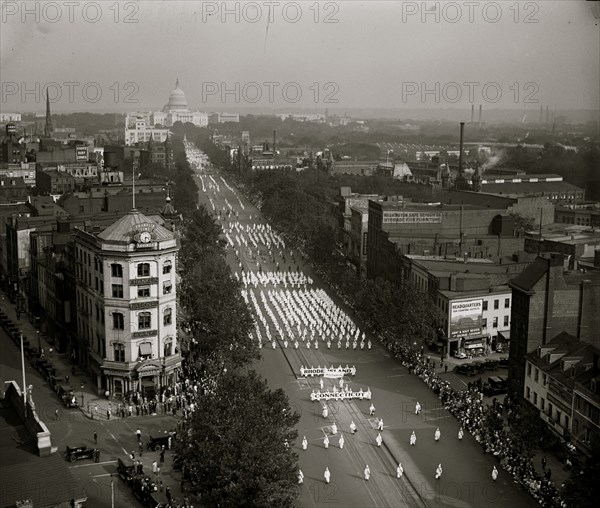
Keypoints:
pixel 142 125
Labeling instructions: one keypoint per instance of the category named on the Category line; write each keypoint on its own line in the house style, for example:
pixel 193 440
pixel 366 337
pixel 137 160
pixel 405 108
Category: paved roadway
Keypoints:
pixel 466 481
pixel 115 438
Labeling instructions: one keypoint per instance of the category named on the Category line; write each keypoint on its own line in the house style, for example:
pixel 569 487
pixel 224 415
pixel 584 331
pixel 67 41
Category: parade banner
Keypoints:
pixel 330 373
pixel 340 395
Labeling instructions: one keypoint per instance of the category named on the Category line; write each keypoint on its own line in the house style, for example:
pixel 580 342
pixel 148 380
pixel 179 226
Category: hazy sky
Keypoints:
pixel 341 54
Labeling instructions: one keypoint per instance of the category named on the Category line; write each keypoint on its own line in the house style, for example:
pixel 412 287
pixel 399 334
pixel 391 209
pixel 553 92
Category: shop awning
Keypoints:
pixel 474 345
pixel 145 349
pixel 504 336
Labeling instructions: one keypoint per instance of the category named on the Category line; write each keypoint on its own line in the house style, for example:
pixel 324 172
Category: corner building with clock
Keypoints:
pixel 127 305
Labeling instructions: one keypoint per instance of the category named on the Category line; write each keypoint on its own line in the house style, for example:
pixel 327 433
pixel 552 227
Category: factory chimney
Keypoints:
pixel 472 113
pixel 480 115
pixel 274 147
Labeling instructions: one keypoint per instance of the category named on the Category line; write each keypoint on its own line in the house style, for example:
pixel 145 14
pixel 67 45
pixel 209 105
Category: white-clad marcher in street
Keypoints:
pixel 341 441
pixel 326 442
pixel 353 427
pixel 460 433
pixel 437 434
pixel 380 424
pixel 417 408
pixel 334 429
pixel 413 438
pixel 327 475
pixel 321 383
pixel 438 472
pixel 372 410
pixel 325 411
pixel 399 470
pixel 379 439
pixel 367 473
pixel 494 473
pixel 300 476
pixel 304 443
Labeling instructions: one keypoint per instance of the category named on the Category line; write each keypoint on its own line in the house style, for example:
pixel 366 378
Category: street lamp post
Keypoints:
pixel 23 371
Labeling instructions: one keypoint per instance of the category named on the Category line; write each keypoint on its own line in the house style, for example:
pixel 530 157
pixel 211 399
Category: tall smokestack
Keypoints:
pixel 547 115
pixel 472 113
pixel 541 114
pixel 274 147
pixel 480 114
pixel 460 150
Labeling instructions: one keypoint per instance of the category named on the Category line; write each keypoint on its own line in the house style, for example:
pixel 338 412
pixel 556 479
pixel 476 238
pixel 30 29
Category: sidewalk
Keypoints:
pixel 85 395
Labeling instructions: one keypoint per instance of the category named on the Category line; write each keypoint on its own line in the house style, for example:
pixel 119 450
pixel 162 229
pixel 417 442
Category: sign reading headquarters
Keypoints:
pixel 404 217
pixel 466 318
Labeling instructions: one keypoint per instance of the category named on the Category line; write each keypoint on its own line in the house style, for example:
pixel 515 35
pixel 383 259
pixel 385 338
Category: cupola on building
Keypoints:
pixel 127 301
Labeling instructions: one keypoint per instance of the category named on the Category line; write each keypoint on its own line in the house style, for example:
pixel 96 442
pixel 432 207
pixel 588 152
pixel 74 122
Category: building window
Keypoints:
pixel 507 303
pixel 484 322
pixel 495 322
pixel 485 305
pixel 542 404
pixel 118 321
pixel 167 287
pixel 119 350
pixel 144 320
pixel 167 266
pixel 143 291
pixel 145 351
pixel 168 348
pixel 544 379
pixel 527 393
pixel 168 316
pixel 528 370
pixel 143 270
pixel 537 375
pixel 506 320
pixel 116 270
pixel 117 290
pixel 496 304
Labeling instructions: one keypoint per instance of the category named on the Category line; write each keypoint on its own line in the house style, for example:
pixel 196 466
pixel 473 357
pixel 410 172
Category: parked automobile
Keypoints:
pixel 490 365
pixel 496 385
pixel 156 443
pixel 67 395
pixel 466 369
pixel 460 354
pixel 126 469
pixel 74 453
pixel 479 366
pixel 503 363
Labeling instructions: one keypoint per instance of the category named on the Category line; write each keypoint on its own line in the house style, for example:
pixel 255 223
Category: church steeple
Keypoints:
pixel 48 129
pixel 150 142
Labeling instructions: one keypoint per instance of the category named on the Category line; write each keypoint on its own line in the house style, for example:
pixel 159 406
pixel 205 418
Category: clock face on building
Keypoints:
pixel 145 237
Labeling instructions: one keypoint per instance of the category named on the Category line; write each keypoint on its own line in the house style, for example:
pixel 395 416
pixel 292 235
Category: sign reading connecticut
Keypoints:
pixel 405 217
pixel 466 318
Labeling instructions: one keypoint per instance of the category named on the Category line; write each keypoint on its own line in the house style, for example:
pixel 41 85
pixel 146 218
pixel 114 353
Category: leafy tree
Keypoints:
pixel 202 233
pixel 217 314
pixel 235 445
pixel 522 223
pixel 582 489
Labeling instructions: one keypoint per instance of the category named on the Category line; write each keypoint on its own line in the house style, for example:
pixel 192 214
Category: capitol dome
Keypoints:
pixel 177 100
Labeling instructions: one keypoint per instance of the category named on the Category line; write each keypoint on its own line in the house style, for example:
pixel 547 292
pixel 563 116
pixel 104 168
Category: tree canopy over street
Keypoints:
pixel 235 446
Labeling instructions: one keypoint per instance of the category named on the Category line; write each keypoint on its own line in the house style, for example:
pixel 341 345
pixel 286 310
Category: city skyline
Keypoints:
pixel 336 55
